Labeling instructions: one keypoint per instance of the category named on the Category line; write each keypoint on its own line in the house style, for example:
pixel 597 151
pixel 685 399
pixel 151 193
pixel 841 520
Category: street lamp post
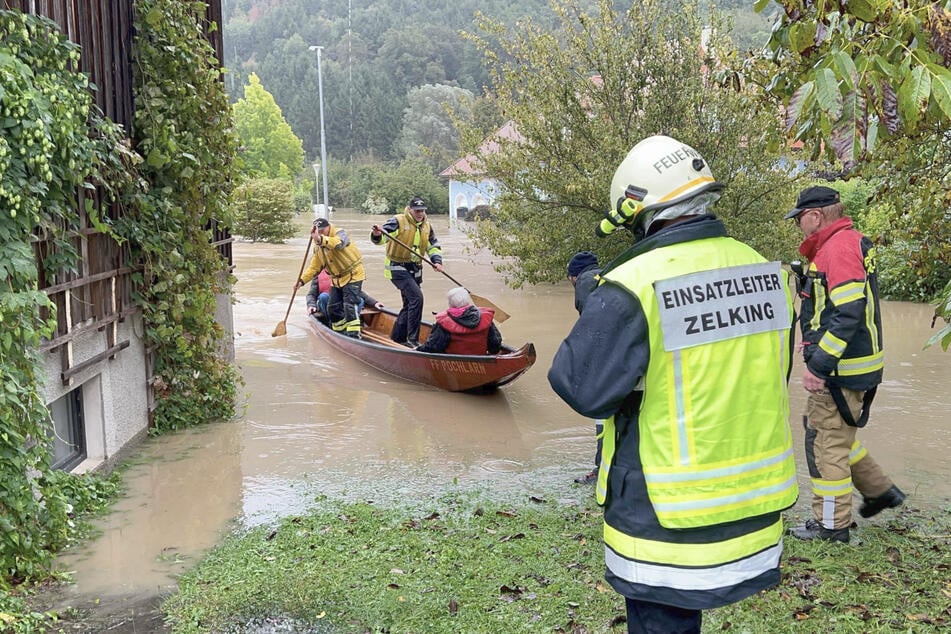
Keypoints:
pixel 323 147
pixel 317 213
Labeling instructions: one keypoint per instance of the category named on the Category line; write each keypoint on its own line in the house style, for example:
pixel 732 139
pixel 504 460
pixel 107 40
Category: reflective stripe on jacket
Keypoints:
pixel 339 256
pixel 841 321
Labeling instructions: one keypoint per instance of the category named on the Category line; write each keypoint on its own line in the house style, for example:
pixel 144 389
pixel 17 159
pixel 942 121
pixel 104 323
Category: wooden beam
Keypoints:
pixel 105 354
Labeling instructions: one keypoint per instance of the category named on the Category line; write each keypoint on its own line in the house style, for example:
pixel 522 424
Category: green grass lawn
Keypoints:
pixel 470 565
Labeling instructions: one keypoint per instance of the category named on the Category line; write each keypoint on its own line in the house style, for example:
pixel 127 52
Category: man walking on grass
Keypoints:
pixel 841 328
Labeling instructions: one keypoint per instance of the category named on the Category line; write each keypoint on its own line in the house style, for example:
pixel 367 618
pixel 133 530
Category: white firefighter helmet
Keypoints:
pixel 660 172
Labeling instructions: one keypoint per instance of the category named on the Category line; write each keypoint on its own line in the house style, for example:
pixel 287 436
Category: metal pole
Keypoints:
pixel 323 147
pixel 317 187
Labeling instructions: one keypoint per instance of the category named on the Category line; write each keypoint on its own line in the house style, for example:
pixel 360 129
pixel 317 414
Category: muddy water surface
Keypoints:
pixel 314 423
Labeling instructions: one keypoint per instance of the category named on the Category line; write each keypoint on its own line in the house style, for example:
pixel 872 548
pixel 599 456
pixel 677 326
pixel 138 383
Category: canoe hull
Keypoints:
pixel 452 372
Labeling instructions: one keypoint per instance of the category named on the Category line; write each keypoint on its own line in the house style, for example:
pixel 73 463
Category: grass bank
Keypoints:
pixel 472 565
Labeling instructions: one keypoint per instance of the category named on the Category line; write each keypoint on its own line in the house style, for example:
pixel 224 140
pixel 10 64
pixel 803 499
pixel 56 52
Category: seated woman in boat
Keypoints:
pixel 463 328
pixel 318 298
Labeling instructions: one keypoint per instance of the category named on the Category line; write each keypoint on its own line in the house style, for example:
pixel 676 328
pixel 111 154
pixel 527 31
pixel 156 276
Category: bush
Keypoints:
pixel 264 210
pixel 913 243
pixel 899 277
pixel 376 187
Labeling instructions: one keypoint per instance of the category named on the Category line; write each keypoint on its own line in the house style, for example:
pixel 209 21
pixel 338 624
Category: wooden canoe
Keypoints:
pixel 452 372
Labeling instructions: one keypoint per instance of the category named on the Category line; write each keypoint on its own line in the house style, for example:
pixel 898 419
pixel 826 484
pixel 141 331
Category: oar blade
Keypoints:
pixel 500 315
pixel 280 329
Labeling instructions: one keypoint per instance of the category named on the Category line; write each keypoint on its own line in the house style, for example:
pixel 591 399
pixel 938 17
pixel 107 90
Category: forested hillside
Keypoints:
pixel 372 56
pixel 374 53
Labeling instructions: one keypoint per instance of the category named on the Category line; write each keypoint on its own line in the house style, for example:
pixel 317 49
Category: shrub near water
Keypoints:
pixel 484 567
pixel 264 210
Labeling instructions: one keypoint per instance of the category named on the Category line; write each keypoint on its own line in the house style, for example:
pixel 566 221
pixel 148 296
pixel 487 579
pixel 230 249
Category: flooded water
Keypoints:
pixel 314 423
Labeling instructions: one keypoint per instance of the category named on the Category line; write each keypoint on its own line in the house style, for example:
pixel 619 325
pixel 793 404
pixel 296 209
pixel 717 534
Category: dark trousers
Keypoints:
pixel 406 327
pixel 344 302
pixel 644 617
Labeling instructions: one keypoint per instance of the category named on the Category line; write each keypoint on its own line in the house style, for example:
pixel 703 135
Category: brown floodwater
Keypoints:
pixel 316 425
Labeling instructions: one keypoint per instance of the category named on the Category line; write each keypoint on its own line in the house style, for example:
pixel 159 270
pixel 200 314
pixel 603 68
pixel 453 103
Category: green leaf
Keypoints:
pixel 156 159
pixel 913 95
pixel 154 17
pixel 882 65
pixel 941 88
pixel 845 69
pixel 759 5
pixel 827 93
pixel 802 36
pixel 864 10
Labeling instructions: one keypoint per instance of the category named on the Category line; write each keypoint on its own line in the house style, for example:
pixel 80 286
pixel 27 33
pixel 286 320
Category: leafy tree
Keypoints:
pixel 486 117
pixel 270 148
pixel 351 183
pixel 909 217
pixel 373 186
pixel 616 79
pixel 870 84
pixel 428 132
pixel 264 210
pixel 855 73
pixel 410 178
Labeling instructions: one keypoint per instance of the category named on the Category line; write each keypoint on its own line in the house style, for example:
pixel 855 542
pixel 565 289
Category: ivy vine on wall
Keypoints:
pixel 177 178
pixel 46 152
pixel 182 122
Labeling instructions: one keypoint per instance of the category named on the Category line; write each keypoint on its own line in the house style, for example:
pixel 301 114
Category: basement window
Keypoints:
pixel 68 442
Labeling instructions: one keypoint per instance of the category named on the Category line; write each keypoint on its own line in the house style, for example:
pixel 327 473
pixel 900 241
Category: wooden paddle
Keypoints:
pixel 500 315
pixel 281 328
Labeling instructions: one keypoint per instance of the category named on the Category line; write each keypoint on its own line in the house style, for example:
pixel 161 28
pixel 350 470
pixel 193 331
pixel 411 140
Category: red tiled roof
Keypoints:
pixel 469 164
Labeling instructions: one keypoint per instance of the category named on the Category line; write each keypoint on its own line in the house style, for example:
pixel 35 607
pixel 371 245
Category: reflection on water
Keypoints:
pixel 314 423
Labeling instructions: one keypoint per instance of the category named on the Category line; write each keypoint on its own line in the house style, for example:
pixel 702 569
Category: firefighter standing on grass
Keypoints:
pixel 841 326
pixel 685 349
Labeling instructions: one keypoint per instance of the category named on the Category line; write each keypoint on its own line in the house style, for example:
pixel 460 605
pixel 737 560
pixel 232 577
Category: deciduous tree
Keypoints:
pixel 583 94
pixel 269 147
pixel 264 210
pixel 429 132
pixel 868 83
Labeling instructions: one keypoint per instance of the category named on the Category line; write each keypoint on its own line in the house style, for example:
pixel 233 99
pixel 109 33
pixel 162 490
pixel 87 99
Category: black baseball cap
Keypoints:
pixel 813 197
pixel 581 261
pixel 320 223
pixel 417 203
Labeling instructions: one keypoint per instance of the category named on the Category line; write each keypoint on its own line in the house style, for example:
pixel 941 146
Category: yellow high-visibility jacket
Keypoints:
pixel 689 342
